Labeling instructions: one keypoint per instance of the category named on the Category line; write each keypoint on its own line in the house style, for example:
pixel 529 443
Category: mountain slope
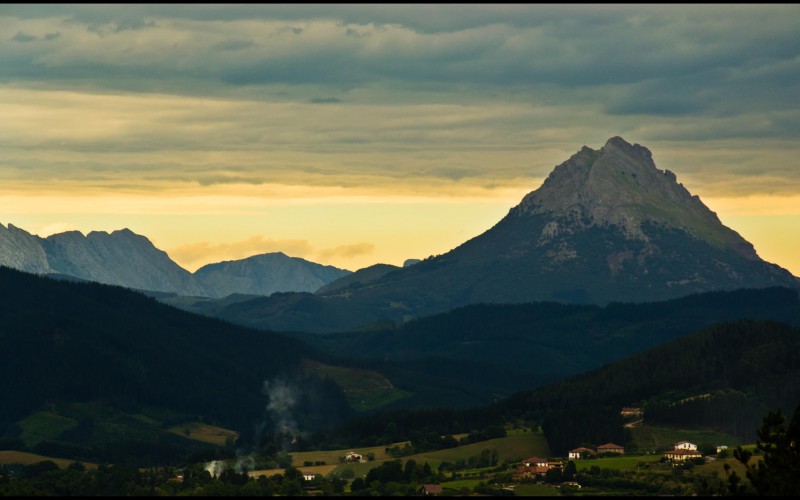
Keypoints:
pixel 22 250
pixel 118 258
pixel 605 226
pixel 266 274
pixel 359 278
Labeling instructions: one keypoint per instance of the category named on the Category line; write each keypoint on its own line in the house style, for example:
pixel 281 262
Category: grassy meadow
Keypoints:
pixel 364 389
pixel 204 432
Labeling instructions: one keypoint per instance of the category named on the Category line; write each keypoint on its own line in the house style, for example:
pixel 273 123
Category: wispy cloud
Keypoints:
pixel 195 255
pixel 347 251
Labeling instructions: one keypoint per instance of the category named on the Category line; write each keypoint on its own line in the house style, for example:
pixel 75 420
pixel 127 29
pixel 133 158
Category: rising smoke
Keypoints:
pixel 282 400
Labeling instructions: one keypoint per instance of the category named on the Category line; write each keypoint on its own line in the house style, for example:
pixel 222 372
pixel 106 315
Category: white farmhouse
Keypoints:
pixel 685 445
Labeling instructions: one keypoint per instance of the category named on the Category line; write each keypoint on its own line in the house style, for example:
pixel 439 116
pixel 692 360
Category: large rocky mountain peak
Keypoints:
pixel 620 186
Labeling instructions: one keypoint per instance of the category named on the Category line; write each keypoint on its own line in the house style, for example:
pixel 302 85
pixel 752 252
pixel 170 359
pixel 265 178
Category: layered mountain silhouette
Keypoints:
pixel 127 259
pixel 606 225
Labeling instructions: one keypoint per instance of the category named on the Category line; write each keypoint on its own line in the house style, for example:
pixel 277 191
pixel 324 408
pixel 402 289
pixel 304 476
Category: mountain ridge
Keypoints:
pixel 265 274
pixel 125 258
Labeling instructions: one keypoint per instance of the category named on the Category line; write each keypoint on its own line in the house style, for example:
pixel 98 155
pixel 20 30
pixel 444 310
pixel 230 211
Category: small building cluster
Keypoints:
pixel 534 467
pixel 630 412
pixel 580 453
pixel 353 457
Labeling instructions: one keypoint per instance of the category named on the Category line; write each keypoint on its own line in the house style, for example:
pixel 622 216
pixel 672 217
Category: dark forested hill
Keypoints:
pixel 66 342
pixel 492 350
pixel 725 377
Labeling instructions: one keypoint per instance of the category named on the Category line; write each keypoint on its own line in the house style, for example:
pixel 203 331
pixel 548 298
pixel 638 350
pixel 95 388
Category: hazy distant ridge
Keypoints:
pixel 127 259
pixel 266 274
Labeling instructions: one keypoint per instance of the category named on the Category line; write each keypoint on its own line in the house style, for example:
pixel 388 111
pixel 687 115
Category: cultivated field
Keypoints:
pixel 205 433
pixel 322 470
pixel 519 446
pixel 25 458
pixel 622 462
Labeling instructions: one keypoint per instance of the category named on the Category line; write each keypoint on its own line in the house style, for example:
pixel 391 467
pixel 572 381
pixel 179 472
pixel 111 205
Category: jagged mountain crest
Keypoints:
pixel 620 185
pixel 121 257
pixel 127 259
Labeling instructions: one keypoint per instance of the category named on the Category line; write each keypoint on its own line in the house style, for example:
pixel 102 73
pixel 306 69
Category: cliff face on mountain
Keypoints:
pixel 22 250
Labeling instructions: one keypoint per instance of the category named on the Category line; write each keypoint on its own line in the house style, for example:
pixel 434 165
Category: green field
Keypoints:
pixel 515 447
pixel 535 490
pixel 622 462
pixel 655 438
pixel 364 389
pixel 205 433
pixel 332 456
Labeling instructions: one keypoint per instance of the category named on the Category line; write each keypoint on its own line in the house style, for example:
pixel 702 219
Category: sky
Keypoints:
pixel 356 134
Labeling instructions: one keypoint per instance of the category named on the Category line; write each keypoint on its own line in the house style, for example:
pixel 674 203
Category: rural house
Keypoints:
pixel 681 455
pixel 579 453
pixel 685 445
pixel 431 489
pixel 628 412
pixel 535 462
pixel 610 448
pixel 353 457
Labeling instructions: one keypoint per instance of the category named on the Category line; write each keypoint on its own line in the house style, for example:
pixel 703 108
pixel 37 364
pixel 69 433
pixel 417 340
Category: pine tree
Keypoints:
pixel 779 471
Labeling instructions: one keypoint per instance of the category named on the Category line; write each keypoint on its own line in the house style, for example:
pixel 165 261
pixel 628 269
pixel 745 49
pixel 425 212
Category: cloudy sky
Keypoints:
pixel 351 135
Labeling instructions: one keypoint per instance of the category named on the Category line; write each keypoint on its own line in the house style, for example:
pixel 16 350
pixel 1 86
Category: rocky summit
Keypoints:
pixel 608 225
pixel 619 186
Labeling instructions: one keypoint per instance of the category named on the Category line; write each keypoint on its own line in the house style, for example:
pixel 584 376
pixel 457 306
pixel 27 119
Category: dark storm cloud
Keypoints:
pixel 22 37
pixel 485 46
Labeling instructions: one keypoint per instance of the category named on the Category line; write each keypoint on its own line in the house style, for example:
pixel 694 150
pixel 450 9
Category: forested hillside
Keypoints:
pixel 67 342
pixel 725 377
pixel 476 354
